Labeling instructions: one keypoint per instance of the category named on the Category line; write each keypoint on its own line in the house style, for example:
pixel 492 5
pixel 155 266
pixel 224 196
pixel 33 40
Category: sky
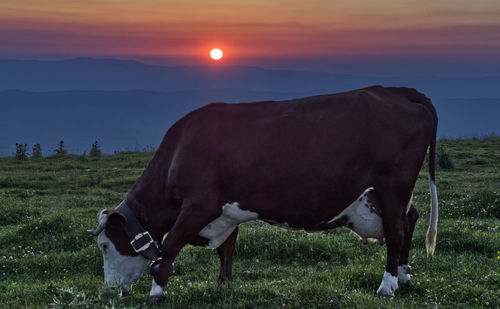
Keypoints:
pixel 442 37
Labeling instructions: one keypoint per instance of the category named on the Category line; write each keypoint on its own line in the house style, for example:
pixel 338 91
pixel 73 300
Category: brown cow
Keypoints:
pixel 349 159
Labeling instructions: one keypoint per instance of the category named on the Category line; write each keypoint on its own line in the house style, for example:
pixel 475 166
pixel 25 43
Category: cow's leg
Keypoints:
pixel 191 220
pixel 393 218
pixel 404 268
pixel 226 253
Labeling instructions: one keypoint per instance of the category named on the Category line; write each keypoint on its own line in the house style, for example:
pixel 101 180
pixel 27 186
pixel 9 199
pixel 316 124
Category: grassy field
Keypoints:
pixel 48 260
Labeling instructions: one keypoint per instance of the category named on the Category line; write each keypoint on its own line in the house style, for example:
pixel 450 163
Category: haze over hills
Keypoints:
pixel 112 74
pixel 130 105
pixel 128 119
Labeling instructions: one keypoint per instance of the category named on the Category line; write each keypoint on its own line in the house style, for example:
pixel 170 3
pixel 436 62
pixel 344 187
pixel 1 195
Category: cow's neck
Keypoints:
pixel 148 202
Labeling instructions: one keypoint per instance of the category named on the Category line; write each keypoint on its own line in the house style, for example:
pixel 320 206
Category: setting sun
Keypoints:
pixel 216 54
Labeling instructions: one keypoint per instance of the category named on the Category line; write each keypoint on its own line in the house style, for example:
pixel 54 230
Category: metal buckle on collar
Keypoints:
pixel 141 242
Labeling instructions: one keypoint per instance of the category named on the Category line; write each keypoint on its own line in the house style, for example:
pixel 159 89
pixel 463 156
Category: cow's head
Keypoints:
pixel 121 263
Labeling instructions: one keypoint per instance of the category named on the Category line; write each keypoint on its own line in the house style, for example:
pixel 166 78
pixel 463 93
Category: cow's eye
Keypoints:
pixel 104 247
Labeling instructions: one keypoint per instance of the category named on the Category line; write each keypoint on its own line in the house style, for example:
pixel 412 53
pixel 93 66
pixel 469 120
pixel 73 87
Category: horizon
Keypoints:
pixel 164 63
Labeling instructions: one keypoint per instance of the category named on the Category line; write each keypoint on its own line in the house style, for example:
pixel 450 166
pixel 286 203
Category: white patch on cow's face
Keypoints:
pixel 388 286
pixel 365 222
pixel 118 268
pixel 219 230
pixel 404 275
pixel 156 290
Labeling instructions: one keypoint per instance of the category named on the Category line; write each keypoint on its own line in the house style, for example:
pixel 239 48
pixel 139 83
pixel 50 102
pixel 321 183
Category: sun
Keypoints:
pixel 216 54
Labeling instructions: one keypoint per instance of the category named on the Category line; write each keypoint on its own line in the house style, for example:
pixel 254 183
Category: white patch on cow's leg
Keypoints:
pixel 219 230
pixel 388 286
pixel 157 292
pixel 362 219
pixel 404 275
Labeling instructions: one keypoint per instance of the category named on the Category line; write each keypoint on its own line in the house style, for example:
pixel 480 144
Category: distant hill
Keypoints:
pixel 138 119
pixel 112 74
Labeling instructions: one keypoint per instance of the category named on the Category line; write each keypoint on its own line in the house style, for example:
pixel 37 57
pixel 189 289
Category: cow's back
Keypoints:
pixel 303 154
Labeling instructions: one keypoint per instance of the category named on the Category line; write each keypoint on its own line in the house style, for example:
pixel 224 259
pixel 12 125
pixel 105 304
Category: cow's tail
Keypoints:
pixel 430 241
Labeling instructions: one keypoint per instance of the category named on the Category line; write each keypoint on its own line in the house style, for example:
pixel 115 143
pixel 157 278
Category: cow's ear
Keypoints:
pixel 116 220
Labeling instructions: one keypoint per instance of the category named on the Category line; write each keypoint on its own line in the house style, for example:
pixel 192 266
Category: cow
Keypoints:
pixel 349 159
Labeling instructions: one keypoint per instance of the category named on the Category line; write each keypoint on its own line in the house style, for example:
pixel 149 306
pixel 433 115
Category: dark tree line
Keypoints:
pixel 36 152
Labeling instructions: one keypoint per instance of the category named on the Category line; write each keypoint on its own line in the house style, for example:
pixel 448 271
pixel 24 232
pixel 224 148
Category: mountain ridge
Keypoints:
pixel 117 74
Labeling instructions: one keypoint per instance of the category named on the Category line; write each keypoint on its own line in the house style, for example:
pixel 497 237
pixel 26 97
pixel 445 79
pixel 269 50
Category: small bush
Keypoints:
pixel 21 151
pixel 443 158
pixel 478 161
pixel 107 298
pixel 95 149
pixel 60 151
pixel 37 151
pixel 68 298
pixel 95 180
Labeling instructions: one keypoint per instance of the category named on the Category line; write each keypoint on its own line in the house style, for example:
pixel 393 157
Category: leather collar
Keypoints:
pixel 140 239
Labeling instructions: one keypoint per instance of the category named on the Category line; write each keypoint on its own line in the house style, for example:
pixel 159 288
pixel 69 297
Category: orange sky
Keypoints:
pixel 250 29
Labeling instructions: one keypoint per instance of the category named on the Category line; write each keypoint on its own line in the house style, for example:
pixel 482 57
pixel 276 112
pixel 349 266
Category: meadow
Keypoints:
pixel 47 260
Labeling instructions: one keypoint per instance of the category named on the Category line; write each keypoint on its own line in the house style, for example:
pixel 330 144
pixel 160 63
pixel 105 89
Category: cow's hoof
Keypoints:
pixel 155 299
pixel 125 289
pixel 404 274
pixel 388 286
pixel 224 280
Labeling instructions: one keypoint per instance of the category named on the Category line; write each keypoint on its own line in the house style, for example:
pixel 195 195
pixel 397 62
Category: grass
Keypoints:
pixel 47 259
